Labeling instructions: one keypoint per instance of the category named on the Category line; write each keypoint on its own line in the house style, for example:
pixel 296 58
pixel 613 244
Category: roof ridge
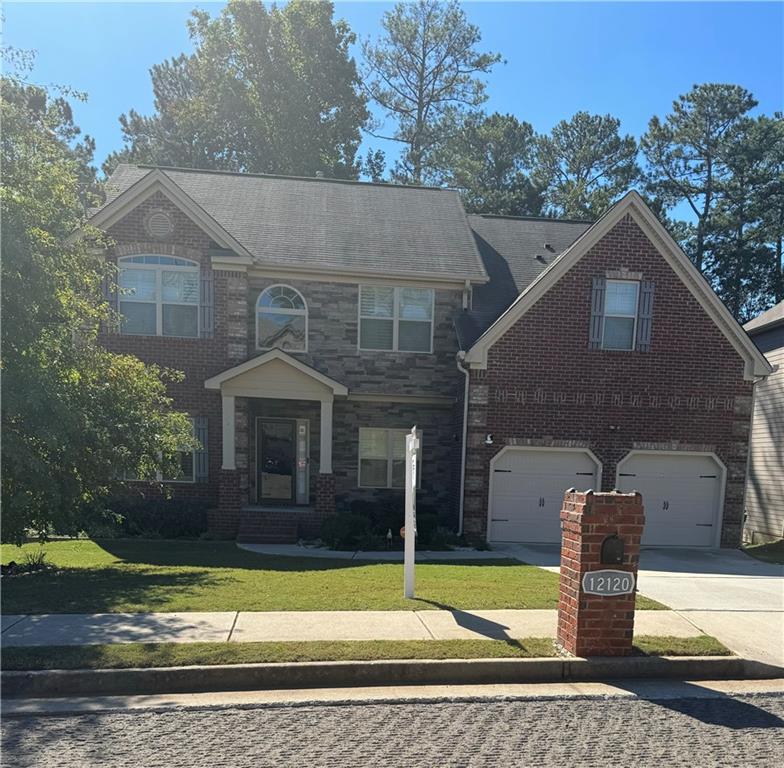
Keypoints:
pixel 531 218
pixel 357 182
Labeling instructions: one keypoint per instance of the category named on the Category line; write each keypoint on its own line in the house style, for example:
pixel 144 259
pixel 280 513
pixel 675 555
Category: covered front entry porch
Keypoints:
pixel 277 481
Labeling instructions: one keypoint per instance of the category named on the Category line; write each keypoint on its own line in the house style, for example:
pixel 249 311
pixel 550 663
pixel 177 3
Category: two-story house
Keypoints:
pixel 317 321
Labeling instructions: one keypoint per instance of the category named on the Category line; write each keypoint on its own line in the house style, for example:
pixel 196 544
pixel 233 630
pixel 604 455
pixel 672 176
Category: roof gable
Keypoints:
pixel 276 374
pixel 151 183
pixel 632 204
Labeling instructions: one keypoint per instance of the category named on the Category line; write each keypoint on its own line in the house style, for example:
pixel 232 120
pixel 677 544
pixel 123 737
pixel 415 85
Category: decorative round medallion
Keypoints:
pixel 159 224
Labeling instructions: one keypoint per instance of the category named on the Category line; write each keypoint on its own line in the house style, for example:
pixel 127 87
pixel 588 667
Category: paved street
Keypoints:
pixel 744 730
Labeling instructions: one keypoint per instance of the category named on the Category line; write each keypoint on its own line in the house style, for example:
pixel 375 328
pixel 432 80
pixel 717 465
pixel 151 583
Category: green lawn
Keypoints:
pixel 772 552
pixel 133 575
pixel 138 655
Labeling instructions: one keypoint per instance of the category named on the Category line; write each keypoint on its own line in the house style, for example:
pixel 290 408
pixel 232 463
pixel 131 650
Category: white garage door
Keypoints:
pixel 527 492
pixel 681 495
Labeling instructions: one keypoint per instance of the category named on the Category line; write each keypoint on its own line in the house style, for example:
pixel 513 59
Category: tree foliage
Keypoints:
pixel 74 416
pixel 490 161
pixel 738 259
pixel 425 73
pixel 266 90
pixel 585 165
pixel 687 151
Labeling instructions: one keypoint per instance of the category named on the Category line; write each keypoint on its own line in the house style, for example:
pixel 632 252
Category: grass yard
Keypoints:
pixel 133 575
pixel 138 655
pixel 772 552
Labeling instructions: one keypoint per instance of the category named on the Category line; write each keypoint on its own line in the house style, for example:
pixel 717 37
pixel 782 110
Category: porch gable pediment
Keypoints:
pixel 276 374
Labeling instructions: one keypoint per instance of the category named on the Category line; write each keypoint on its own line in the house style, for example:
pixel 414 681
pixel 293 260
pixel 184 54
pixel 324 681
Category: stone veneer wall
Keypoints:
pixel 332 342
pixel 440 450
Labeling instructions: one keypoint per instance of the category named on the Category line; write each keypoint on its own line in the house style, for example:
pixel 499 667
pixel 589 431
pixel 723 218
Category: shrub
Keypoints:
pixel 345 531
pixel 159 518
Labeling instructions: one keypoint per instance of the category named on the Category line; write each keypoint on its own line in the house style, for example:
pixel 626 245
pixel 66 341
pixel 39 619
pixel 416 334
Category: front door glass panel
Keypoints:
pixel 277 460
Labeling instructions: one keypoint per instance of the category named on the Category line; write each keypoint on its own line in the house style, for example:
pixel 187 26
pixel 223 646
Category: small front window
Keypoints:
pixel 281 320
pixel 620 314
pixel 159 296
pixel 395 319
pixel 382 457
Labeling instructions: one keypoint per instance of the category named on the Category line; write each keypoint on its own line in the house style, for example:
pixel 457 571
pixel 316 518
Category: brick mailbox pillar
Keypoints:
pixel 599 624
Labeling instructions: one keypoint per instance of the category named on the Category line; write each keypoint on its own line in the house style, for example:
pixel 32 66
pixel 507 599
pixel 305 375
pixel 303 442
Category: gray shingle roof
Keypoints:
pixel 773 316
pixel 514 253
pixel 325 224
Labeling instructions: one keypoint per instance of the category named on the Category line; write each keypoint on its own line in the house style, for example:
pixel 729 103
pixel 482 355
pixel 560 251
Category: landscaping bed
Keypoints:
pixel 135 575
pixel 142 656
pixel 771 552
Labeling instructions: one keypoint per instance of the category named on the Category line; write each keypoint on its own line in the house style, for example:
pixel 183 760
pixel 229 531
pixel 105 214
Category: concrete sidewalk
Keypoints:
pixel 281 626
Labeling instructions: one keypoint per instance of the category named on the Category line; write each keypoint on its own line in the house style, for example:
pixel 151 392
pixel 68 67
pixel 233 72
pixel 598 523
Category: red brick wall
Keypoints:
pixel 544 386
pixel 197 358
pixel 597 625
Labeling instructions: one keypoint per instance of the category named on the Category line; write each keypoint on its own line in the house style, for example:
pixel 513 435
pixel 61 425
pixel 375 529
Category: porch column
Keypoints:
pixel 325 482
pixel 229 447
pixel 326 437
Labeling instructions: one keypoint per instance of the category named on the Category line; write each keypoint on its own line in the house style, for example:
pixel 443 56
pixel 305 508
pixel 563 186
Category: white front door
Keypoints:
pixel 681 494
pixel 527 488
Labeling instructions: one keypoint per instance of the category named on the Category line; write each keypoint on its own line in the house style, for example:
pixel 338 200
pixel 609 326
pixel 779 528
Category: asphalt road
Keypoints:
pixel 741 730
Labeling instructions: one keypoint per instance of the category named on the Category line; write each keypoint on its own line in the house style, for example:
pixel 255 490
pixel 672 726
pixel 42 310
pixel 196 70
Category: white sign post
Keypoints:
pixel 412 448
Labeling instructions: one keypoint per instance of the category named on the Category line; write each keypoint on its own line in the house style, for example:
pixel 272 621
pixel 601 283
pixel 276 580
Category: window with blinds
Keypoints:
pixel 395 319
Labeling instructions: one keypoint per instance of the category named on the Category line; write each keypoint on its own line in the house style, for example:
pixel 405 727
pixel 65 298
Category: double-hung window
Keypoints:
pixel 382 457
pixel 620 314
pixel 395 319
pixel 159 296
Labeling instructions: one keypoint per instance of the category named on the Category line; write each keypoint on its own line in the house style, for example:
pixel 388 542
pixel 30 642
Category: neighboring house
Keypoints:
pixel 765 482
pixel 317 321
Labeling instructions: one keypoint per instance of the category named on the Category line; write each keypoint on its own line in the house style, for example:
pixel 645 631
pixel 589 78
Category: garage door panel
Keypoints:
pixel 527 492
pixel 681 494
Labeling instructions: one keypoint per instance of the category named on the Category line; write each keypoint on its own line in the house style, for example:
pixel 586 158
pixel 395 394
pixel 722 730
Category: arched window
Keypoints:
pixel 281 319
pixel 159 295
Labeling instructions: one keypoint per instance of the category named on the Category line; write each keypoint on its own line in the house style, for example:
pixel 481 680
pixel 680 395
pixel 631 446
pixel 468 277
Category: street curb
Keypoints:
pixel 342 674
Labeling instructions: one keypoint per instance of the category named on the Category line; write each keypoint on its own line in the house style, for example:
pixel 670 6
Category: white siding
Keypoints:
pixel 765 484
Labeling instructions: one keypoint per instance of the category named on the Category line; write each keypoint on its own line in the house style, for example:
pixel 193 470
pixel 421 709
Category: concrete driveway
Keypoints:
pixel 723 592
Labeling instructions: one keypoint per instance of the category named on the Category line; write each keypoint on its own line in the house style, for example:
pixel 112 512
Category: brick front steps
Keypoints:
pixel 269 525
pixel 280 524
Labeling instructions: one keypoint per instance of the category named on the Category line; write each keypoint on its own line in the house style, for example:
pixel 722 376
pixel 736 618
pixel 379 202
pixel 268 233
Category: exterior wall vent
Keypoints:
pixel 159 224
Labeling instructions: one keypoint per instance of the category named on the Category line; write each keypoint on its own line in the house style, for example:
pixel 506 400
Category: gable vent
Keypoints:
pixel 159 224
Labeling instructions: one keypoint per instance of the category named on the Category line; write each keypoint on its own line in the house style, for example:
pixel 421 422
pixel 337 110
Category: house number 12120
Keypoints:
pixel 608 582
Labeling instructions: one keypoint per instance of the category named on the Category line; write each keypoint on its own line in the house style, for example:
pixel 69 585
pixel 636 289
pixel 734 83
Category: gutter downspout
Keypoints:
pixel 459 360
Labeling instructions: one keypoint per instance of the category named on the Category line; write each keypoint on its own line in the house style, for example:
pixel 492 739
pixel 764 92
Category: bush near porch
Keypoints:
pixel 133 575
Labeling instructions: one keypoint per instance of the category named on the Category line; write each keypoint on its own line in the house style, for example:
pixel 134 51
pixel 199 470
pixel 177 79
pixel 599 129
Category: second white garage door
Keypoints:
pixel 681 494
pixel 527 489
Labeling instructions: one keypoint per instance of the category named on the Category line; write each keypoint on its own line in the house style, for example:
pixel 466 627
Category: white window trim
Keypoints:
pixel 159 269
pixel 282 311
pixel 606 314
pixel 389 485
pixel 159 475
pixel 395 320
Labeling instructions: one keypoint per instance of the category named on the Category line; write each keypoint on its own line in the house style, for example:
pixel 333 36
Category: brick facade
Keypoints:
pixel 597 625
pixel 332 349
pixel 197 358
pixel 543 386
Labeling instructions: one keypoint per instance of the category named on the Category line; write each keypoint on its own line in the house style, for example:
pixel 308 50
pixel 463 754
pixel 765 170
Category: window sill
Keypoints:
pixel 157 336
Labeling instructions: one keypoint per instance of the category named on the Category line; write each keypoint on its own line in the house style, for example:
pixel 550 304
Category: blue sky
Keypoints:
pixel 629 59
